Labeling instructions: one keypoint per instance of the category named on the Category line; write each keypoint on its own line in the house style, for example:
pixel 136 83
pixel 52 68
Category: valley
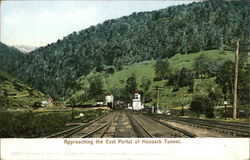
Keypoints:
pixel 178 61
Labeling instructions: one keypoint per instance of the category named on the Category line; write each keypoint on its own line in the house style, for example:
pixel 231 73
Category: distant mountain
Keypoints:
pixel 14 94
pixel 25 48
pixel 214 24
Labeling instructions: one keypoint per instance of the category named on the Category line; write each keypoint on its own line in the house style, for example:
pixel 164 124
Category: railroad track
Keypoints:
pixel 138 127
pixel 143 132
pixel 235 129
pixel 189 134
pixel 69 132
pixel 101 131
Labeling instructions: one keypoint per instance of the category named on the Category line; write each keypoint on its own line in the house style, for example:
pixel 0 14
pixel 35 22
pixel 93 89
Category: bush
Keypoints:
pixel 37 105
pixel 157 79
pixel 209 111
pixel 175 89
pixel 202 105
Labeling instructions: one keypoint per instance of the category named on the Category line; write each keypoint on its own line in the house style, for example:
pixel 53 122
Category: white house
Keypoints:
pixel 137 104
pixel 44 103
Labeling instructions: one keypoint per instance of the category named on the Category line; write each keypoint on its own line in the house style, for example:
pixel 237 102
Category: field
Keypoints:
pixel 28 124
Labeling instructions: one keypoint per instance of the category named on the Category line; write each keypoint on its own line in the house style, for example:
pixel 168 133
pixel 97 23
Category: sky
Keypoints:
pixel 38 23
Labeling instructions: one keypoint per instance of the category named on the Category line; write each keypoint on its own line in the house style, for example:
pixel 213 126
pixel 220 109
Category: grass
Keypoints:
pixel 25 124
pixel 186 60
pixel 14 94
pixel 145 70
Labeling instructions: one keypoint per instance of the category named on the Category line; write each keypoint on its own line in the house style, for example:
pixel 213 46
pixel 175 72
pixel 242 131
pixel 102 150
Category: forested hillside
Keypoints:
pixel 14 94
pixel 10 58
pixel 145 79
pixel 141 36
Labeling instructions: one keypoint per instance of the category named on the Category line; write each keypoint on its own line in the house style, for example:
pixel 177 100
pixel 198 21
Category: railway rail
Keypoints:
pixel 69 132
pixel 189 134
pixel 138 127
pixel 135 124
pixel 235 129
pixel 142 131
pixel 100 131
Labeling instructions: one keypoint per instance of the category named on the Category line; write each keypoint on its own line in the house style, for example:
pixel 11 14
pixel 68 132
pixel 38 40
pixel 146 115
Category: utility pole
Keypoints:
pixel 157 89
pixel 158 99
pixel 236 81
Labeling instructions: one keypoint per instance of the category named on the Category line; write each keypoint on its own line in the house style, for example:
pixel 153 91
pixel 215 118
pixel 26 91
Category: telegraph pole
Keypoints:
pixel 158 99
pixel 236 81
pixel 157 89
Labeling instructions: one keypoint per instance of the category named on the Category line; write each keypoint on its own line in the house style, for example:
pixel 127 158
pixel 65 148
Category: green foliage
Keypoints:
pixel 197 105
pixel 145 84
pixel 201 64
pixel 131 85
pixel 206 66
pixel 28 124
pixel 182 29
pixel 185 77
pixel 244 85
pixel 225 77
pixel 202 105
pixel 162 69
pixel 37 105
pixel 96 89
pixel 182 78
pixel 14 94
pixel 10 58
pixel 144 72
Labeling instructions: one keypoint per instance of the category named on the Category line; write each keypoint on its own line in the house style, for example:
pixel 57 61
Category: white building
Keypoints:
pixel 44 103
pixel 137 104
pixel 109 100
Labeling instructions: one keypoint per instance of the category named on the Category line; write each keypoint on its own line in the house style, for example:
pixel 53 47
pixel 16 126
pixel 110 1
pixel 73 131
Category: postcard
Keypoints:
pixel 111 79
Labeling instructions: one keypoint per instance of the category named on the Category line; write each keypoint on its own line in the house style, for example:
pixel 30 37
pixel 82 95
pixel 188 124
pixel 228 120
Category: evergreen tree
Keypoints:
pixel 162 69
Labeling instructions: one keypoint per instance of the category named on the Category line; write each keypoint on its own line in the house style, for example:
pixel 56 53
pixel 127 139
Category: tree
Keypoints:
pixel 202 105
pixel 196 105
pixel 131 85
pixel 225 77
pixel 201 65
pixel 244 85
pixel 145 84
pixel 162 68
pixel 172 79
pixel 130 39
pixel 95 88
pixel 185 77
pixel 215 66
